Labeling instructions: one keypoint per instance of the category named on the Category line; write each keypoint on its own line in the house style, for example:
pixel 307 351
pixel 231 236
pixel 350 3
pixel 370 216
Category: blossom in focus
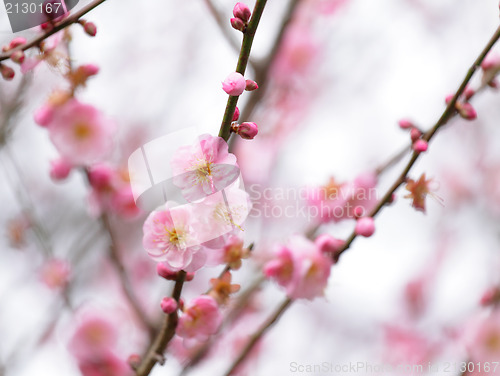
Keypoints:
pixel 301 268
pixel 169 236
pixel 234 84
pixel 201 318
pixel 80 133
pixel 204 168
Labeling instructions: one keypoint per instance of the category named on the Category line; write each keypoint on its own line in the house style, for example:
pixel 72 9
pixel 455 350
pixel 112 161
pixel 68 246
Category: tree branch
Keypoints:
pixel 71 19
pixel 167 332
pixel 246 47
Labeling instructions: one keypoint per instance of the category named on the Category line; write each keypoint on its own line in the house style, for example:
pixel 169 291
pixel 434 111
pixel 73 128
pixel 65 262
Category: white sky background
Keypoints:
pixel 161 67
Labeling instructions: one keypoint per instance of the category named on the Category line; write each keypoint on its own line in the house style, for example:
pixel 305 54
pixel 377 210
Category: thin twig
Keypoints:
pixel 258 335
pixel 246 47
pixel 71 19
pixel 447 114
pixel 166 333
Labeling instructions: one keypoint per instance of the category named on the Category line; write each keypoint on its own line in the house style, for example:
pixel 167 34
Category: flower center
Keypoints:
pixel 82 131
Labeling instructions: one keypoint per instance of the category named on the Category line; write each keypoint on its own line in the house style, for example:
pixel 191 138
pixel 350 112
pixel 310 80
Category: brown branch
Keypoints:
pixel 167 332
pixel 447 115
pixel 71 19
pixel 246 47
pixel 262 69
pixel 258 335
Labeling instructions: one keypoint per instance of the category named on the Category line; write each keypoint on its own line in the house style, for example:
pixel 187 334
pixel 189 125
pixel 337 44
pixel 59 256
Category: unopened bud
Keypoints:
pixel 7 72
pixel 238 24
pixel 242 11
pixel 405 124
pixel 415 134
pixel 17 57
pixel 89 27
pixel 420 146
pixel 247 131
pixel 236 114
pixel 251 85
pixel 168 305
pixel 466 111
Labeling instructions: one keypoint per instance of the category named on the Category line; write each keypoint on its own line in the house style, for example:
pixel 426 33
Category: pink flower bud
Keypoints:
pixel 18 41
pixel 59 169
pixel 236 114
pixel 189 277
pixel 43 116
pixel 17 57
pixel 365 226
pixel 242 11
pixel 328 244
pixel 359 211
pixel 405 124
pixel 234 84
pixel 247 131
pixel 90 28
pixel 491 296
pixel 90 69
pixel 469 93
pixel 7 72
pixel 165 272
pixel 448 98
pixel 100 176
pixel 168 305
pixel 46 26
pixel 134 361
pixel 415 134
pixel 251 85
pixel 420 146
pixel 238 24
pixel 466 111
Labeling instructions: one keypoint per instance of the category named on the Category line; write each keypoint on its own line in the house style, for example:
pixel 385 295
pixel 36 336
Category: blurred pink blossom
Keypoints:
pixel 201 318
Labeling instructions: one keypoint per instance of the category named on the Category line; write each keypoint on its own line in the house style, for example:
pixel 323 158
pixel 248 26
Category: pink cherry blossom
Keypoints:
pixel 104 364
pixel 93 336
pixel 80 133
pixel 483 338
pixel 201 319
pixel 204 168
pixel 55 273
pixel 169 236
pixel 301 267
pixel 234 84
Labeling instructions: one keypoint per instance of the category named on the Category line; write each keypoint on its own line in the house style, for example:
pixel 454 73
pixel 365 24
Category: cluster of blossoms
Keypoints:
pixel 46 48
pixel 339 201
pixel 186 237
pixel 302 267
pixel 93 345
